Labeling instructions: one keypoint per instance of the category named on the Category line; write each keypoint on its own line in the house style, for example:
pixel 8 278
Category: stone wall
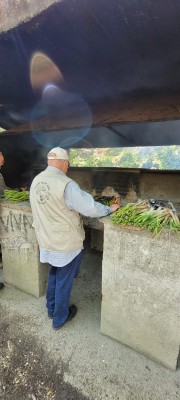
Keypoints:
pixel 130 184
pixel 16 12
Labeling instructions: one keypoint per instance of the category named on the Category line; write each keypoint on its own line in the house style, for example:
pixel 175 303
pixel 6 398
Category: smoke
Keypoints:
pixel 152 133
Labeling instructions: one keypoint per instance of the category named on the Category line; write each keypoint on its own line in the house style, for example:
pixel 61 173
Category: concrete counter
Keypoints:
pixel 20 253
pixel 140 279
pixel 141 291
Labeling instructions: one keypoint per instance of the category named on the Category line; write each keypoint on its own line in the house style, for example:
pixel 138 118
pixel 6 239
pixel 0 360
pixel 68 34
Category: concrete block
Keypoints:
pixel 141 292
pixel 20 253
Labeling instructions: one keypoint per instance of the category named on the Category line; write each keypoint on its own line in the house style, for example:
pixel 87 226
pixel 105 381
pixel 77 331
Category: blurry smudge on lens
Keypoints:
pixel 60 118
pixel 51 95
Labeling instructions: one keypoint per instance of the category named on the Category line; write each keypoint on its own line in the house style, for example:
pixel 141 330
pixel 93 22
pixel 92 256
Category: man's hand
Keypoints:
pixel 114 207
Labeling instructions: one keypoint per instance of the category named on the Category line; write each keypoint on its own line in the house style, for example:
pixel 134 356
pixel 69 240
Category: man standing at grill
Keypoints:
pixel 2 188
pixel 56 202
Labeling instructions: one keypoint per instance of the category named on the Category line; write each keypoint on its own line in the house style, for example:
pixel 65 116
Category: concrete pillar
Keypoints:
pixel 20 254
pixel 141 291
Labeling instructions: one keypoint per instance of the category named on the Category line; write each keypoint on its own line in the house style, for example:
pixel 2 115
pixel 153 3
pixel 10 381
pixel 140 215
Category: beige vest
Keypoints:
pixel 57 228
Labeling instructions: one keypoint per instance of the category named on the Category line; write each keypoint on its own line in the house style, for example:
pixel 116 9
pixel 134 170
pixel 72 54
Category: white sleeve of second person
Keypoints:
pixel 83 202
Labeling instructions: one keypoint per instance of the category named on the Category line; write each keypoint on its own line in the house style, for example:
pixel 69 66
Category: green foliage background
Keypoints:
pixel 164 157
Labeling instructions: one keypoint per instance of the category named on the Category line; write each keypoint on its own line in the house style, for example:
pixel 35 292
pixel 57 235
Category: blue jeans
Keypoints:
pixel 60 283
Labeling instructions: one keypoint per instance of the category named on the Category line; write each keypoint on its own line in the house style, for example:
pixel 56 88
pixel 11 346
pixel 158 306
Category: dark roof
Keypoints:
pixel 109 53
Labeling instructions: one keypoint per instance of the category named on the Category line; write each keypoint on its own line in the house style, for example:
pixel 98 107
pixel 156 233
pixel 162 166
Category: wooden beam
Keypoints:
pixel 146 109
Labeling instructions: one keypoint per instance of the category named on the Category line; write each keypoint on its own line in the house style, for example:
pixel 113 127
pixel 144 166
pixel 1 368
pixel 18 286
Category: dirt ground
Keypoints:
pixel 26 372
pixel 77 362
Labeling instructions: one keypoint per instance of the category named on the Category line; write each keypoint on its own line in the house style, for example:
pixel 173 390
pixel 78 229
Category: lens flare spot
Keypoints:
pixel 60 118
pixel 43 70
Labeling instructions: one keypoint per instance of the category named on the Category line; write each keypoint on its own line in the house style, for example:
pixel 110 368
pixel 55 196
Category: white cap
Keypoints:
pixel 57 154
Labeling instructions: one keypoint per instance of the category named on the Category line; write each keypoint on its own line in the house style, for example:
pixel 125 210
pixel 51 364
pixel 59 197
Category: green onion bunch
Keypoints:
pixel 15 195
pixel 143 215
pixel 107 200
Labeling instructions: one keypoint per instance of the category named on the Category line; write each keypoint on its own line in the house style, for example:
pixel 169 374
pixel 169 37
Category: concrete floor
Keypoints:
pixel 99 367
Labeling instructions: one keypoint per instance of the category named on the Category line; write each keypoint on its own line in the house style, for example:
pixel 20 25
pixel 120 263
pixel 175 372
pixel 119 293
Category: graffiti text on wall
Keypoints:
pixel 13 222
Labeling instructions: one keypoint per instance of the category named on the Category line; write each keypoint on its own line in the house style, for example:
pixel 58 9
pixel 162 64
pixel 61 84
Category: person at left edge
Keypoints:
pixel 2 188
pixel 2 183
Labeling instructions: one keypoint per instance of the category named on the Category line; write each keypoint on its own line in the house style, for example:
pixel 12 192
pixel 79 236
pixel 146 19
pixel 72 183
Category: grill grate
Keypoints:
pixel 161 203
